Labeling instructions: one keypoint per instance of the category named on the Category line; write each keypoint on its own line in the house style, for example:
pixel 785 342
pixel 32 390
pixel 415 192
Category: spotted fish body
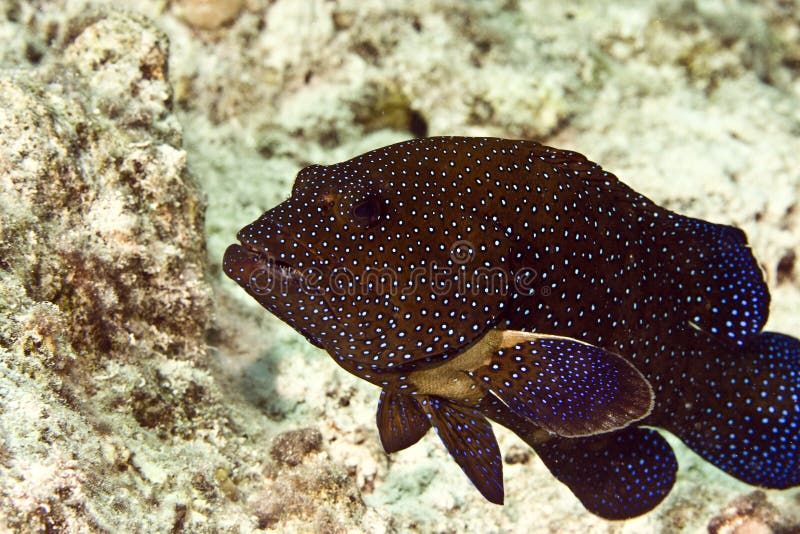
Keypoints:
pixel 475 278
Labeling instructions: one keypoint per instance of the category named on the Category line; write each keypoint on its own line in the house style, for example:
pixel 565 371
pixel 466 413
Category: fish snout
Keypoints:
pixel 239 264
pixel 263 276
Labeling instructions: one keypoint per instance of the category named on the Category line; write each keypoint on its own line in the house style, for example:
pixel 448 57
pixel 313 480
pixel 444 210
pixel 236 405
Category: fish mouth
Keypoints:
pixel 257 272
pixel 277 284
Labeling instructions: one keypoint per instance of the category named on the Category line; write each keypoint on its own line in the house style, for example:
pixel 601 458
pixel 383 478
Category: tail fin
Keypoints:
pixel 744 415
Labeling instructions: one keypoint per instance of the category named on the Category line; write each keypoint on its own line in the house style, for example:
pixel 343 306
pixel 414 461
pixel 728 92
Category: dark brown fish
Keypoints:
pixel 487 278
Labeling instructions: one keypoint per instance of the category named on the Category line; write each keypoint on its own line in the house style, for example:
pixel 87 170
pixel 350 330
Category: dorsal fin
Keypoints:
pixel 723 288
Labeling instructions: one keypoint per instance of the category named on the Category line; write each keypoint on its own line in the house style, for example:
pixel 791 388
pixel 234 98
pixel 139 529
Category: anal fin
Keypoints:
pixel 469 438
pixel 619 475
pixel 401 421
pixel 565 386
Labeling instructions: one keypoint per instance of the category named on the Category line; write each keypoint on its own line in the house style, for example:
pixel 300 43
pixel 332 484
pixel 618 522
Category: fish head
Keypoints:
pixel 385 260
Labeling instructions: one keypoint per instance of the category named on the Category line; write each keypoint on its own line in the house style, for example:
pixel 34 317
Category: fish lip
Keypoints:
pixel 258 273
pixel 290 274
pixel 282 270
pixel 265 260
pixel 284 266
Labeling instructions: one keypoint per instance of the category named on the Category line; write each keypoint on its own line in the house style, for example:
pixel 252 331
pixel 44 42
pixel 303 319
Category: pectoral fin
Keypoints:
pixel 401 421
pixel 565 386
pixel 470 440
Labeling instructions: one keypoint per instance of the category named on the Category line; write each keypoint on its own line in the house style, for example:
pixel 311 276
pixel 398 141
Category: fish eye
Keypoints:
pixel 369 211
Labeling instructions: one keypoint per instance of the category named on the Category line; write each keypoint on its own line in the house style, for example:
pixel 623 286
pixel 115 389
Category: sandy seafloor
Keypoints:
pixel 169 422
